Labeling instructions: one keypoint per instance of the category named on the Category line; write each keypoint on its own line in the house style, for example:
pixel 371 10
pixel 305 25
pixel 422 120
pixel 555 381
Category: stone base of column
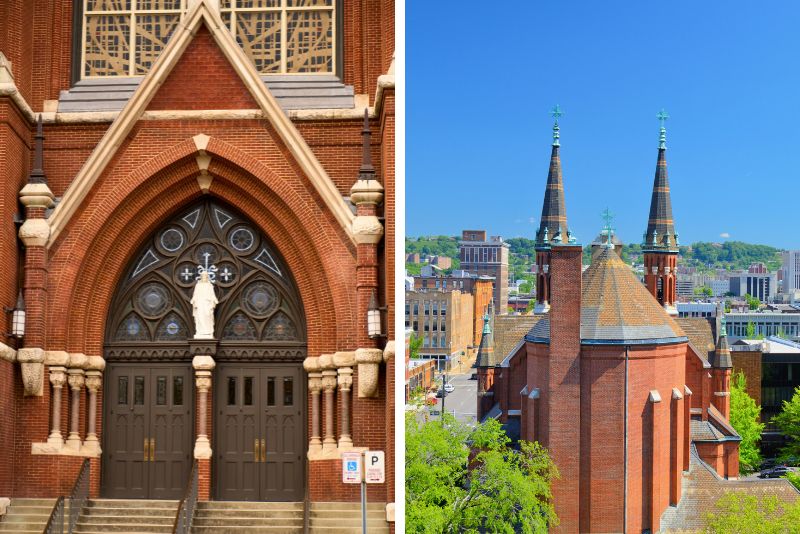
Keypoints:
pixel 55 439
pixel 202 448
pixel 73 442
pixel 345 442
pixel 91 446
pixel 329 445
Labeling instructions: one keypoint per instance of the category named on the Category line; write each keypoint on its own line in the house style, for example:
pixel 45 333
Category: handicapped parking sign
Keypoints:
pixel 351 467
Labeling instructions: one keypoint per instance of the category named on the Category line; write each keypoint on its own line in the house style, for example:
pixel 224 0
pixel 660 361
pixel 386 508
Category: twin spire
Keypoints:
pixel 660 235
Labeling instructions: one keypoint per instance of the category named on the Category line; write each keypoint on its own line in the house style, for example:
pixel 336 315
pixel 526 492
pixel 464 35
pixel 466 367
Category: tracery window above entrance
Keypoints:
pixel 125 37
pixel 258 302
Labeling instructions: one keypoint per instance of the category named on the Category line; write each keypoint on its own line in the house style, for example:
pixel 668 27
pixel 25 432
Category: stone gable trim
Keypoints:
pixel 202 13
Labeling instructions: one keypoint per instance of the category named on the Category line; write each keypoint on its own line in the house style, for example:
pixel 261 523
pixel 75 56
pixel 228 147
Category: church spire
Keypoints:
pixel 486 348
pixel 553 224
pixel 660 234
pixel 722 353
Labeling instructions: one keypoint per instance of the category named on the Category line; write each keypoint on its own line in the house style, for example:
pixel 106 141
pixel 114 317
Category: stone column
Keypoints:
pixel 58 376
pixel 311 365
pixel 345 385
pixel 76 380
pixel 203 366
pixel 329 385
pixel 94 380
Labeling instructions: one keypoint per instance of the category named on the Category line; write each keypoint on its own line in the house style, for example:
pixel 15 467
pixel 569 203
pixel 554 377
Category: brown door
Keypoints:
pixel 259 433
pixel 148 433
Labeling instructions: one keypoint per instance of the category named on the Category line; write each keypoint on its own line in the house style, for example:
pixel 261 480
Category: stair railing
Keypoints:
pixel 55 523
pixel 183 519
pixel 79 495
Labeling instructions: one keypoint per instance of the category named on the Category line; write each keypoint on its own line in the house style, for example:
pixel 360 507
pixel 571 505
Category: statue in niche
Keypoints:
pixel 204 300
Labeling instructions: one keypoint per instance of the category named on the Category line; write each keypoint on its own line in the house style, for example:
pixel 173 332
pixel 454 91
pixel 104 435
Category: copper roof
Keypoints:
pixel 509 331
pixel 660 220
pixel 554 211
pixel 617 308
pixel 701 332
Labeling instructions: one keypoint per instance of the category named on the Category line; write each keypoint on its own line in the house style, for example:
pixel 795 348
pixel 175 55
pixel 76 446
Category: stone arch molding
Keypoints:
pixel 143 212
pixel 201 12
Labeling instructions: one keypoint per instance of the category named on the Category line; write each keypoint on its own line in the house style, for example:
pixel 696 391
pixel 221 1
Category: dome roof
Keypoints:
pixel 616 308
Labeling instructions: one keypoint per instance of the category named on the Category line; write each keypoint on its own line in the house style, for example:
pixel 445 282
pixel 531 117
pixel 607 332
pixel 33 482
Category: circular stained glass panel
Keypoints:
pixel 242 239
pixel 260 298
pixel 206 249
pixel 172 240
pixel 154 299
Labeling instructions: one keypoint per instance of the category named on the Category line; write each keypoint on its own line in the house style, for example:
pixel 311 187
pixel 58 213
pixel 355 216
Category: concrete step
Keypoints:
pixel 142 528
pixel 26 518
pixel 22 509
pixel 133 503
pixel 342 506
pixel 246 530
pixel 240 522
pixel 249 505
pixel 127 520
pixel 248 514
pixel 378 514
pixel 130 512
pixel 347 530
pixel 350 523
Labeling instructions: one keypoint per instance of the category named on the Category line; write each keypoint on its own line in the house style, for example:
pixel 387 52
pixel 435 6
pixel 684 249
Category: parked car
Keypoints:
pixel 441 393
pixel 449 387
pixel 775 472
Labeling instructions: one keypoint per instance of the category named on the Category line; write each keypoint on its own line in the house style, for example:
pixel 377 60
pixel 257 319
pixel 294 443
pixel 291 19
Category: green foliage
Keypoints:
pixel 789 423
pixel 531 305
pixel 414 344
pixel 525 288
pixel 727 306
pixel 744 418
pixel 703 291
pixel 794 478
pixel 414 269
pixel 740 513
pixel 435 245
pixel 731 255
pixel 500 490
pixel 752 302
pixel 750 332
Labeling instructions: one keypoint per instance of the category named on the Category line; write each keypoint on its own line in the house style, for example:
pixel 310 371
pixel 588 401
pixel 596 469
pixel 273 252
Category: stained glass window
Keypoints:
pixel 125 37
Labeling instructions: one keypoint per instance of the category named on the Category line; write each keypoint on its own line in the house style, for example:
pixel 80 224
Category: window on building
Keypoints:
pixel 415 326
pixel 125 37
pixel 444 308
pixel 427 308
pixel 416 307
pixel 426 327
pixel 408 308
pixel 435 308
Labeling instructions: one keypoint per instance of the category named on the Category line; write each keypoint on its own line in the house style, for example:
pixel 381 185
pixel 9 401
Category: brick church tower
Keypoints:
pixel 485 365
pixel 553 224
pixel 660 242
pixel 722 366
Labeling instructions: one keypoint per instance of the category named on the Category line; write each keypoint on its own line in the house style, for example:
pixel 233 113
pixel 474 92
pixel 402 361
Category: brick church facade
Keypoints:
pixel 145 143
pixel 632 402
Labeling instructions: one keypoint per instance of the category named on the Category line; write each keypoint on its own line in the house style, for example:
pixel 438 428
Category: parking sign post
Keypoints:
pixel 368 467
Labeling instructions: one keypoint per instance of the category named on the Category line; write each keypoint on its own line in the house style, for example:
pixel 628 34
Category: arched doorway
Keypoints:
pixel 258 404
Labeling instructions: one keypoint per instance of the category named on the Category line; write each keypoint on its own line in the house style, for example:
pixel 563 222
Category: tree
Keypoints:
pixel 460 479
pixel 744 419
pixel 525 288
pixel 751 331
pixel 789 423
pixel 752 302
pixel 703 291
pixel 531 305
pixel 747 514
pixel 414 343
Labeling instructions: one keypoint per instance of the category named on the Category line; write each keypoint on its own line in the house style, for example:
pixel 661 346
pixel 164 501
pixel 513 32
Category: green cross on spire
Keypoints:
pixel 608 217
pixel 662 136
pixel 556 113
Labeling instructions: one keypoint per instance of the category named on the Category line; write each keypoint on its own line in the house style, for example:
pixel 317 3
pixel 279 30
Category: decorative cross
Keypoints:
pixel 556 112
pixel 186 274
pixel 210 269
pixel 662 117
pixel 608 217
pixel 226 275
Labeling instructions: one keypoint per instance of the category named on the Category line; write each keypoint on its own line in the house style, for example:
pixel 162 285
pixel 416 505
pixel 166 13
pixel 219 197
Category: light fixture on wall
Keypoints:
pixel 17 317
pixel 374 328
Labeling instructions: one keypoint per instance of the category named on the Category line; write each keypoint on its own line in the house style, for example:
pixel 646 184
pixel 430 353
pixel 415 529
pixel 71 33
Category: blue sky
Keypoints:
pixel 481 80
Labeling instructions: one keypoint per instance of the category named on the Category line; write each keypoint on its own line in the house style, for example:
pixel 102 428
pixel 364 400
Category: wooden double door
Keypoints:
pixel 259 429
pixel 149 429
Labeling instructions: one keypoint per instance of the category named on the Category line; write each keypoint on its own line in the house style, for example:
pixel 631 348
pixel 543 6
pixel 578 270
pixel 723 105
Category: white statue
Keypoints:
pixel 204 300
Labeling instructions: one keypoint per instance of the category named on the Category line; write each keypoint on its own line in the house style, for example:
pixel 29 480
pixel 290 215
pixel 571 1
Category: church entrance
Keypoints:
pixel 259 445
pixel 149 408
pixel 257 338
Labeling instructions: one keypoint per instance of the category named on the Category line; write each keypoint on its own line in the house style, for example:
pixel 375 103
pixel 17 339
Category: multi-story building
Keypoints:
pixel 757 282
pixel 197 210
pixel 697 309
pixel 444 321
pixel 487 257
pixel 791 271
pixel 764 324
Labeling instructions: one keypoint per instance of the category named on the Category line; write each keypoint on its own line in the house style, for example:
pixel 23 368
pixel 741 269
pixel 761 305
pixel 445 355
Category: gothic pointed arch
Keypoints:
pixel 259 314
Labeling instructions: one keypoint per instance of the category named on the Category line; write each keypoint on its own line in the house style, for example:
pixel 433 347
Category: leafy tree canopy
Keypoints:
pixel 789 423
pixel 744 419
pixel 497 489
pixel 742 513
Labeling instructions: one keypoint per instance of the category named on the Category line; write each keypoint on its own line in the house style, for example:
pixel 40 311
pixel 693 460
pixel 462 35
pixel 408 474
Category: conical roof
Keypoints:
pixel 486 347
pixel 660 234
pixel 616 308
pixel 722 353
pixel 553 224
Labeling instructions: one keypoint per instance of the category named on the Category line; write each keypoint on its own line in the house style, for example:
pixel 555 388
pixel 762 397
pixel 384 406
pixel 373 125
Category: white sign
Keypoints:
pixel 374 467
pixel 351 467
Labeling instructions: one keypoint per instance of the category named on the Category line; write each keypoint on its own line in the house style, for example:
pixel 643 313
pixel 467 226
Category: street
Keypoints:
pixel 462 401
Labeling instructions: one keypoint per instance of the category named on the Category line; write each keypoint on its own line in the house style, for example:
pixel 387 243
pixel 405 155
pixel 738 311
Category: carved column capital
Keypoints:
pixel 203 381
pixel 368 361
pixel 58 376
pixel 94 379
pixel 76 379
pixel 345 378
pixel 329 380
pixel 315 382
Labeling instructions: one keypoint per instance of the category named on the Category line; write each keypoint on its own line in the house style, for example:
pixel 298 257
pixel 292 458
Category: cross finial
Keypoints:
pixel 206 255
pixel 662 117
pixel 608 217
pixel 556 113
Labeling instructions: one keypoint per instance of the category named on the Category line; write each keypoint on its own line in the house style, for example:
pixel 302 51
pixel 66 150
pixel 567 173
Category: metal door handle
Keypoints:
pixel 146 452
pixel 263 450
pixel 255 451
pixel 152 449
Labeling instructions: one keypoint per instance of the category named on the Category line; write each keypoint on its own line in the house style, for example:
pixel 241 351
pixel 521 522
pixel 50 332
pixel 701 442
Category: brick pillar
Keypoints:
pixel 722 391
pixel 655 464
pixel 563 400
pixel 686 419
pixel 676 446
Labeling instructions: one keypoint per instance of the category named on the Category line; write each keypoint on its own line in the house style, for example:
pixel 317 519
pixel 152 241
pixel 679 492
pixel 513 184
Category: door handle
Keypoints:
pixel 263 450
pixel 255 451
pixel 152 449
pixel 146 451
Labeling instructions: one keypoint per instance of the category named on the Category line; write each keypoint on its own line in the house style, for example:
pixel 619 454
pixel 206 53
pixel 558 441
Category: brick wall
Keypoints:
pixel 748 362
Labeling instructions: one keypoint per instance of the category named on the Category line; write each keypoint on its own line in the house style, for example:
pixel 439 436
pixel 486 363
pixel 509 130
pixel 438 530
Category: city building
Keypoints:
pixel 763 324
pixel 772 369
pixel 719 288
pixel 757 282
pixel 444 321
pixel 791 271
pixel 631 402
pixel 486 257
pixel 442 262
pixel 205 219
pixel 697 309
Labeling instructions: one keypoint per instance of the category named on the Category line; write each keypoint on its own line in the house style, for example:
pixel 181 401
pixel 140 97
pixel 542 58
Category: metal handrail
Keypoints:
pixel 183 519
pixel 79 495
pixel 55 523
